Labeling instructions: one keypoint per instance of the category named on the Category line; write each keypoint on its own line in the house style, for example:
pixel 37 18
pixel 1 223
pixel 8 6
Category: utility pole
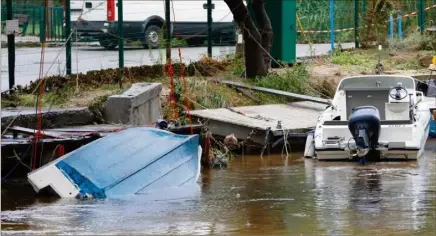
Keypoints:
pixel 11 48
pixel 68 34
pixel 209 6
pixel 168 28
pixel 120 42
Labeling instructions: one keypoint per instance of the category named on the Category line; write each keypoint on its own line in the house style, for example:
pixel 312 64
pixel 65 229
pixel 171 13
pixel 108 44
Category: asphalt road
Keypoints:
pixel 28 60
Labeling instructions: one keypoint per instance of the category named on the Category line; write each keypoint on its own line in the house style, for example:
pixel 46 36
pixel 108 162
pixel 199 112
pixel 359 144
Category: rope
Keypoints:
pixel 182 67
pixel 38 133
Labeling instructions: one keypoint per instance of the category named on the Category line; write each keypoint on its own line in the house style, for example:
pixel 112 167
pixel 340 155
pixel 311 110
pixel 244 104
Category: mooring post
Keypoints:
pixel 400 25
pixel 68 34
pixel 120 42
pixel 332 25
pixel 356 23
pixel 168 28
pixel 11 48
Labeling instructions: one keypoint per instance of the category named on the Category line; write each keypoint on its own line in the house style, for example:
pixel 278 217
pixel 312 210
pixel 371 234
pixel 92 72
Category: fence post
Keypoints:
pixel 168 28
pixel 332 25
pixel 33 20
pixel 391 27
pixel 120 42
pixel 68 34
pixel 209 28
pixel 11 48
pixel 41 24
pixel 356 23
pixel 421 15
pixel 400 25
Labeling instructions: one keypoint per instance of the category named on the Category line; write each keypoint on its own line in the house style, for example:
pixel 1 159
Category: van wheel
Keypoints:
pixel 152 37
pixel 108 43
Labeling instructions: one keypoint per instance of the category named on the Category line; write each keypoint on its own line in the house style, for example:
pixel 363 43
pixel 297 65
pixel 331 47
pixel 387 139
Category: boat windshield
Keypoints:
pixel 368 82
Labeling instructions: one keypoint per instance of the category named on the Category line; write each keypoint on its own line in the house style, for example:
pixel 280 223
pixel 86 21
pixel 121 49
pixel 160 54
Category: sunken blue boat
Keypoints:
pixel 132 161
pixel 432 132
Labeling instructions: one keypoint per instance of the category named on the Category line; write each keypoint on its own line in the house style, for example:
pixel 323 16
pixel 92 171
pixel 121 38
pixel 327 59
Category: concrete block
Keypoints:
pixel 140 105
pixel 52 118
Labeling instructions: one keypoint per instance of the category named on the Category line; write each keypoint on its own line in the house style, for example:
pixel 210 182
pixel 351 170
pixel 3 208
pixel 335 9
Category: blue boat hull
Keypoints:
pixel 133 161
pixel 432 132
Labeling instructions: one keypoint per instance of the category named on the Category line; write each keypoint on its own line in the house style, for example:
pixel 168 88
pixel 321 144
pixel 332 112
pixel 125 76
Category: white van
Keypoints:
pixel 144 21
pixel 93 15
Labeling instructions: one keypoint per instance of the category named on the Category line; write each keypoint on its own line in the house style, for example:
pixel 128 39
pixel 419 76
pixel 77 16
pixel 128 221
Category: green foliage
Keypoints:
pixel 97 107
pixel 238 65
pixel 349 58
pixel 292 80
pixel 414 41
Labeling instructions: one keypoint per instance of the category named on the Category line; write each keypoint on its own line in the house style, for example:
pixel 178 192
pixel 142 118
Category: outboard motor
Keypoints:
pixel 364 125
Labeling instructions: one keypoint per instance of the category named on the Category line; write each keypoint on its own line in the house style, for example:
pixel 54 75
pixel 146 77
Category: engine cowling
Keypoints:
pixel 364 125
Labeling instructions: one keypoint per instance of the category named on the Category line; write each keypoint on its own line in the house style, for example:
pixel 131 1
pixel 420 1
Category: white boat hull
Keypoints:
pixel 402 125
pixel 412 147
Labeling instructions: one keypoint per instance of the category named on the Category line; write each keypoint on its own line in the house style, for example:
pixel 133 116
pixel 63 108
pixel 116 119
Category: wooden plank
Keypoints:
pixel 296 116
pixel 277 92
pixel 48 134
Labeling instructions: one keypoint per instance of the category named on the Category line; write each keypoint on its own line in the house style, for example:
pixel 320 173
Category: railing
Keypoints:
pixel 31 31
pixel 316 18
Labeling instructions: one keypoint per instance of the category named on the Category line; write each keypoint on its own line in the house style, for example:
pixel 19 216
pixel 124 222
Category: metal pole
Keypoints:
pixel 332 25
pixel 421 16
pixel 400 25
pixel 209 28
pixel 391 27
pixel 120 42
pixel 168 28
pixel 11 48
pixel 356 23
pixel 67 34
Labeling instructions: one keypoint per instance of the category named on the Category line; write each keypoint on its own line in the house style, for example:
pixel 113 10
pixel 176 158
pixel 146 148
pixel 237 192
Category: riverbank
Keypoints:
pixel 317 77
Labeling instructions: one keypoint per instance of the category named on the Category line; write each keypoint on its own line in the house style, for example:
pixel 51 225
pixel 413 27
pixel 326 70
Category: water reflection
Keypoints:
pixel 270 195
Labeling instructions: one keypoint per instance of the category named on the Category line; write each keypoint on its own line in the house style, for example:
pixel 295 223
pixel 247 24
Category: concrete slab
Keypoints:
pixel 140 105
pixel 296 117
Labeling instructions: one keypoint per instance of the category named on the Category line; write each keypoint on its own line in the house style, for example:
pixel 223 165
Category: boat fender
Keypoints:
pixel 309 149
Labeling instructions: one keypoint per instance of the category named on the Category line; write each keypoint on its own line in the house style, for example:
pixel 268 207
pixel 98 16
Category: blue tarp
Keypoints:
pixel 133 161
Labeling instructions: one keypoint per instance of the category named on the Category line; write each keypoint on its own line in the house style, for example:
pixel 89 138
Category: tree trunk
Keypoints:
pixel 265 29
pixel 257 42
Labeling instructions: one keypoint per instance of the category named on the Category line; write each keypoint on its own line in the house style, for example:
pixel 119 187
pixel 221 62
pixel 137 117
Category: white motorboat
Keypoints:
pixel 372 116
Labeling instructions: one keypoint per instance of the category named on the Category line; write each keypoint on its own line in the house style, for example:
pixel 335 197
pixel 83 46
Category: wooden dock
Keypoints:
pixel 295 118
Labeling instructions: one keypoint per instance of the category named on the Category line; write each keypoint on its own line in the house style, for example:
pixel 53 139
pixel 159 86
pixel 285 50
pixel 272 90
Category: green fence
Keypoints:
pixel 35 19
pixel 372 18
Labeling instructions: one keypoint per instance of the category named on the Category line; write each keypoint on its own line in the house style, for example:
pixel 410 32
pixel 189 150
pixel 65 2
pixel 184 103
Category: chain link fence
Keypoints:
pixel 321 21
pixel 31 18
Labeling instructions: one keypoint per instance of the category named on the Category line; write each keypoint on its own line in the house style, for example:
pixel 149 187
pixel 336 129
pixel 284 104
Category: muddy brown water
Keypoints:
pixel 271 195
